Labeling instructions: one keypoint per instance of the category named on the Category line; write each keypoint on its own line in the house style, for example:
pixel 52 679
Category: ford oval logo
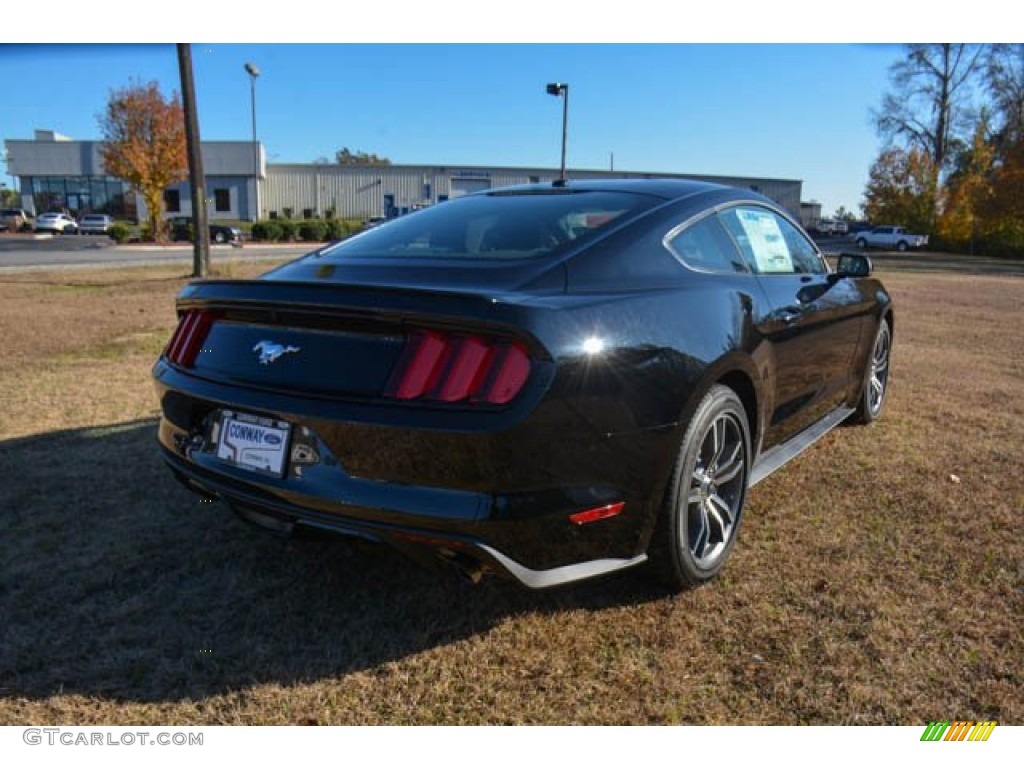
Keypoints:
pixel 271 439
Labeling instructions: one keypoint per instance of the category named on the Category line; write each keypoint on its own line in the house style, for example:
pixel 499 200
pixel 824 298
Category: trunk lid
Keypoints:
pixel 323 339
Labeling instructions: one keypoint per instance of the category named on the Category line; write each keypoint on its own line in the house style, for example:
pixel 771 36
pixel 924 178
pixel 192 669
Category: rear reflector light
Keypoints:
pixel 188 338
pixel 598 513
pixel 452 368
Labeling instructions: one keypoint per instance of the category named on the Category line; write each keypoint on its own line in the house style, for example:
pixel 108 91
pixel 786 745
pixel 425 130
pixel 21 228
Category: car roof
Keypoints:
pixel 669 189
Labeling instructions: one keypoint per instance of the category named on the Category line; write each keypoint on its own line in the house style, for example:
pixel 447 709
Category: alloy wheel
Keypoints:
pixel 879 377
pixel 715 495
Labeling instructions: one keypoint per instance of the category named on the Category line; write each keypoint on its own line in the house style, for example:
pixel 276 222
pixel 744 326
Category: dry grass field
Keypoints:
pixel 878 579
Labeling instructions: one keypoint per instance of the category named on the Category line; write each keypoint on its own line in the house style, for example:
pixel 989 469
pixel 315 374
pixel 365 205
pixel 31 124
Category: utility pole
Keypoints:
pixel 197 181
pixel 254 72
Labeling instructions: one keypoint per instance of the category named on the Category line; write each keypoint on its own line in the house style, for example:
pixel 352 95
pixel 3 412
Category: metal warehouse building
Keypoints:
pixel 390 190
pixel 57 172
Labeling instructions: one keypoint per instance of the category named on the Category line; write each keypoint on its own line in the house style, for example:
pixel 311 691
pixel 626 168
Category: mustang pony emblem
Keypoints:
pixel 270 351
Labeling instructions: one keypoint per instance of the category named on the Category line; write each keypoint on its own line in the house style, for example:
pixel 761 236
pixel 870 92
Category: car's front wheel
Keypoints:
pixel 876 378
pixel 704 501
pixel 862 243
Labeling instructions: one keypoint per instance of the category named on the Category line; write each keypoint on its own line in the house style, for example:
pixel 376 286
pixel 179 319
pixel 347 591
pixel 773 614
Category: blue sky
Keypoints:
pixel 788 111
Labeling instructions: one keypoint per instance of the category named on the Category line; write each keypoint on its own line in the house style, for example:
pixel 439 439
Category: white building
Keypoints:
pixel 57 172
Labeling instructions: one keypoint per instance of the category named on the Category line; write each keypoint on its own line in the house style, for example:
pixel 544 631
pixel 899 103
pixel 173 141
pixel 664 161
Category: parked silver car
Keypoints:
pixel 95 224
pixel 14 219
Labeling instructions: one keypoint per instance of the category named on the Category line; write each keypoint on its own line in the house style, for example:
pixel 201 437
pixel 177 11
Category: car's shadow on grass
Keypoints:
pixel 117 583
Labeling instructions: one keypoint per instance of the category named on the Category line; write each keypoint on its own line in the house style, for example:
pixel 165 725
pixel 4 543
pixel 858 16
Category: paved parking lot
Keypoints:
pixel 26 252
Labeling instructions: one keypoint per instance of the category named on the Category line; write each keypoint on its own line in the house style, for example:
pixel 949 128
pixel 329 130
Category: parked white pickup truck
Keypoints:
pixel 890 237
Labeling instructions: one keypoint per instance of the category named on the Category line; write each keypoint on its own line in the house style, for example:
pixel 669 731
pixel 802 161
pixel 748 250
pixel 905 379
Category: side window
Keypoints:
pixel 770 244
pixel 806 260
pixel 706 246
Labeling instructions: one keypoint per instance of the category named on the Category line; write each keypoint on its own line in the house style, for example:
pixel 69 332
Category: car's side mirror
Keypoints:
pixel 853 265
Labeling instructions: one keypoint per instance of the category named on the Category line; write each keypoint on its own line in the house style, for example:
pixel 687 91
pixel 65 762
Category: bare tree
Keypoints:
pixel 1004 73
pixel 930 104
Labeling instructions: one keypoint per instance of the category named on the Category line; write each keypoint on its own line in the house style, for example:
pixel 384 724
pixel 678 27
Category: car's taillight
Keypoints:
pixel 188 338
pixel 449 368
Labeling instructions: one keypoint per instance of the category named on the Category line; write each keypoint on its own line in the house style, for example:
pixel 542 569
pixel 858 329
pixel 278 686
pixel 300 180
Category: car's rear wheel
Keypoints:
pixel 861 242
pixel 704 502
pixel 876 378
pixel 219 237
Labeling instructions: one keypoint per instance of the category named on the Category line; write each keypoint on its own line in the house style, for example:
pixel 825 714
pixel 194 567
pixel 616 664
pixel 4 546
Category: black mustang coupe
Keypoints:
pixel 550 382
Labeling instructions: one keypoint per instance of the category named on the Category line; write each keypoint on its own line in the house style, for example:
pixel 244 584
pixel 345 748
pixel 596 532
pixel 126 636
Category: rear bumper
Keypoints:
pixel 457 548
pixel 498 497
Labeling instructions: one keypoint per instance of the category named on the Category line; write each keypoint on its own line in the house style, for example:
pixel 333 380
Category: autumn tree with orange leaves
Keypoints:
pixel 953 163
pixel 144 144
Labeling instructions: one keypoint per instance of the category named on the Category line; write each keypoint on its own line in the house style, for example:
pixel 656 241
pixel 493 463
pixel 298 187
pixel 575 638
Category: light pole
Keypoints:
pixel 562 89
pixel 253 74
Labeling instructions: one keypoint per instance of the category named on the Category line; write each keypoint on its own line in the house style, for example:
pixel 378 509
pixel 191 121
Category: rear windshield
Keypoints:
pixel 513 225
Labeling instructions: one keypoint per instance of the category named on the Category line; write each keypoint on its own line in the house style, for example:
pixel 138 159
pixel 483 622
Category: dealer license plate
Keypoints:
pixel 253 443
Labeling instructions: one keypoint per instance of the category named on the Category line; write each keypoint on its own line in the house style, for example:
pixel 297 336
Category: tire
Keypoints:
pixel 901 245
pixel 876 378
pixel 219 238
pixel 862 243
pixel 703 505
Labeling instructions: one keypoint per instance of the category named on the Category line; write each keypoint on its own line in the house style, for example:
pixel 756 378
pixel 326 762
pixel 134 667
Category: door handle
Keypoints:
pixel 789 315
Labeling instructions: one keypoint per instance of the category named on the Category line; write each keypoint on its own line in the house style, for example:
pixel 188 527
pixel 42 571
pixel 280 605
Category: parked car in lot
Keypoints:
pixel 550 382
pixel 58 223
pixel 829 227
pixel 181 229
pixel 890 237
pixel 14 219
pixel 95 224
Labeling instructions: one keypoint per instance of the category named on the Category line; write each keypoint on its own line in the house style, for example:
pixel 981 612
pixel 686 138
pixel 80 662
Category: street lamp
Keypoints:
pixel 562 89
pixel 253 74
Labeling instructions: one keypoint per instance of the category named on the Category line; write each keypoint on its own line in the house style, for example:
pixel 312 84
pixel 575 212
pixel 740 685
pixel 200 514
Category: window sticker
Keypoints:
pixel 766 241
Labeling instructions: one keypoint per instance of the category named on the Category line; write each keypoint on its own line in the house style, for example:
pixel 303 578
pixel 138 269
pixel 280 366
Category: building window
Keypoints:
pixel 172 200
pixel 535 179
pixel 222 200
